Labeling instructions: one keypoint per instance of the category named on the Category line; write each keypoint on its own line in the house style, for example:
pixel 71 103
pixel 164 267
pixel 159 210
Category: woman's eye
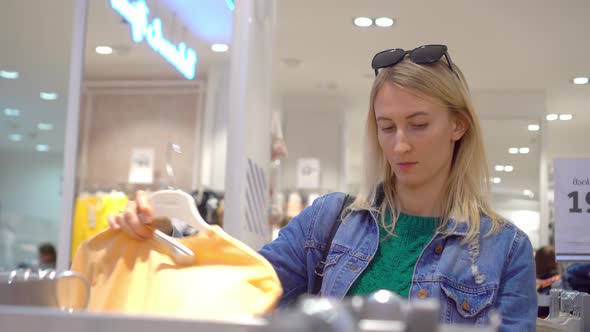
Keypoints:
pixel 387 129
pixel 420 125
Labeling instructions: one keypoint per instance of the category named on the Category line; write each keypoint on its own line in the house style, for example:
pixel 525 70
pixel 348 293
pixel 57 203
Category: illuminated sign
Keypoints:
pixel 182 58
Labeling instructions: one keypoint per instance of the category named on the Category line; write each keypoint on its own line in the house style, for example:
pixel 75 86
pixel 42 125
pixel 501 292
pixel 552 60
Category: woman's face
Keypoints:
pixel 417 135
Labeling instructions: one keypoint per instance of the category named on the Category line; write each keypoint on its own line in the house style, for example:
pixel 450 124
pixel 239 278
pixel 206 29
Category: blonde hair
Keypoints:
pixel 467 187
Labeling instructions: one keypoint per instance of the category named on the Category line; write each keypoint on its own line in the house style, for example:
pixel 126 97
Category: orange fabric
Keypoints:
pixel 226 279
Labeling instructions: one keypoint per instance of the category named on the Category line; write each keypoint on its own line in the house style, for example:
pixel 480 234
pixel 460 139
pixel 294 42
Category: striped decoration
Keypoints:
pixel 257 200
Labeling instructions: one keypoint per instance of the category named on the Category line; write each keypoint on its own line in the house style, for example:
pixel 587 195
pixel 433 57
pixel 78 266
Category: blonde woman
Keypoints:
pixel 421 225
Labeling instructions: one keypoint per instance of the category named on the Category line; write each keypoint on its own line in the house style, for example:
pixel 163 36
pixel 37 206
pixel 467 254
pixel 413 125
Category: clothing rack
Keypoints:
pixel 568 311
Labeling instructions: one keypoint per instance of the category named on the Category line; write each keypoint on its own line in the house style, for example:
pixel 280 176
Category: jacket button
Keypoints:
pixel 422 293
pixel 438 249
pixel 466 306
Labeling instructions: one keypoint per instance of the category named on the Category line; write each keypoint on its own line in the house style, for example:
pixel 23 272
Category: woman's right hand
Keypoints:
pixel 137 219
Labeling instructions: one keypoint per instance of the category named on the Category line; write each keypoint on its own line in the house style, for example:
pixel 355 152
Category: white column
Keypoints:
pixel 214 143
pixel 544 186
pixel 71 139
pixel 249 119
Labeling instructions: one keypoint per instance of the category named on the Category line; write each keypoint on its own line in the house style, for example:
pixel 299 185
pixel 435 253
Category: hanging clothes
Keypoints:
pixel 227 278
pixel 91 213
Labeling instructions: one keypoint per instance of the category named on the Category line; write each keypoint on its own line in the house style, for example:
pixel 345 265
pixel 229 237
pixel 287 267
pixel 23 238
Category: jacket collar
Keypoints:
pixel 454 227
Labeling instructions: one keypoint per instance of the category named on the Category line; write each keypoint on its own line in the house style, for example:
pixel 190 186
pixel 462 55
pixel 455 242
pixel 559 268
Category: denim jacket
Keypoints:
pixel 470 280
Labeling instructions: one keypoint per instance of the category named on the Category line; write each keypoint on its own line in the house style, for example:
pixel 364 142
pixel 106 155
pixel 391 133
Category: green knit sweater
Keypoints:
pixel 393 265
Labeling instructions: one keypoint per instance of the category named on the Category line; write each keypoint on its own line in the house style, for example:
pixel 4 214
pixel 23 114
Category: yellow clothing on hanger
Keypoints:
pixel 90 216
pixel 226 279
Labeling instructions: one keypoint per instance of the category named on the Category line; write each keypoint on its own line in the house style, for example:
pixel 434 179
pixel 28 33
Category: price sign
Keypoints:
pixel 572 209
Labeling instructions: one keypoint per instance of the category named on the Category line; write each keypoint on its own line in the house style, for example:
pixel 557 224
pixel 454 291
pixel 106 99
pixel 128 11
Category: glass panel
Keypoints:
pixel 34 72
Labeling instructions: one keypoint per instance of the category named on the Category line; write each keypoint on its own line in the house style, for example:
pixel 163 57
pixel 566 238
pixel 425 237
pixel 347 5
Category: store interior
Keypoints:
pixel 518 77
pixel 145 125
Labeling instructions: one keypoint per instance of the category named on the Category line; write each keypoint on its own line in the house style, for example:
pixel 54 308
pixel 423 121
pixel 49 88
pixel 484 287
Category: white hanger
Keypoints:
pixel 179 205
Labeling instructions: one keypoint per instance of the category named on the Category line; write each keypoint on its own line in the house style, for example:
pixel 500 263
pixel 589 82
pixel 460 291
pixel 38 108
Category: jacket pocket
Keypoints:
pixel 333 258
pixel 469 301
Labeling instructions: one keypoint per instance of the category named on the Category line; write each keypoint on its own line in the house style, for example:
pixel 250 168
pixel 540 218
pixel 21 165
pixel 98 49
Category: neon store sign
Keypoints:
pixel 184 59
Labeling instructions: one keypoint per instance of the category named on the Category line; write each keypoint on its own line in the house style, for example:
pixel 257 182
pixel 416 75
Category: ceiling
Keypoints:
pixel 518 56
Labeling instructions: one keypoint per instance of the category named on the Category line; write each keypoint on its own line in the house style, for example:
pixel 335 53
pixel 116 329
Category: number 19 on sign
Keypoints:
pixel 574 195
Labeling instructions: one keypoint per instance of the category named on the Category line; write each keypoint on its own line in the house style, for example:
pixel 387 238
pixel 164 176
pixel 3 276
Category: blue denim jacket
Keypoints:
pixel 496 272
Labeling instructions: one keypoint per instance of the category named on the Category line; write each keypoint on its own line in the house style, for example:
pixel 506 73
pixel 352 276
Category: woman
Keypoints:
pixel 421 224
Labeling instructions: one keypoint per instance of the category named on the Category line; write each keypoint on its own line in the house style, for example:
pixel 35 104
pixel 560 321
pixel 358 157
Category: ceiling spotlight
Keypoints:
pixel 496 180
pixel 104 50
pixel 15 137
pixel 499 168
pixel 508 168
pixel 9 75
pixel 42 148
pixel 581 80
pixel 513 150
pixel 565 117
pixel 524 150
pixel 363 22
pixel 45 126
pixel 11 112
pixel 219 48
pixel 534 127
pixel 528 193
pixel 384 22
pixel 551 117
pixel 48 95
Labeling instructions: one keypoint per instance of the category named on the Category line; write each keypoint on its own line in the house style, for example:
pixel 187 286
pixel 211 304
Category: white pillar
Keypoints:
pixel 544 187
pixel 214 143
pixel 249 119
pixel 71 139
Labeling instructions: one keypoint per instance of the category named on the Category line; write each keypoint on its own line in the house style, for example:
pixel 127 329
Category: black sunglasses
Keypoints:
pixel 421 55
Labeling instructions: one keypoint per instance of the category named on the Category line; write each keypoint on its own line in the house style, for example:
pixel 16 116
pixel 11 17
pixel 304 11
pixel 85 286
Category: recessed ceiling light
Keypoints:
pixel 552 117
pixel 15 137
pixel 45 126
pixel 534 127
pixel 496 180
pixel 10 75
pixel 363 22
pixel 528 193
pixel 581 80
pixel 384 22
pixel 42 148
pixel 524 150
pixel 513 150
pixel 508 168
pixel 11 112
pixel 219 48
pixel 104 50
pixel 565 117
pixel 499 168
pixel 48 95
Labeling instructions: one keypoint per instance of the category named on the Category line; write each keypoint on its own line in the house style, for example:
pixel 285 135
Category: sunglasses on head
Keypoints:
pixel 421 55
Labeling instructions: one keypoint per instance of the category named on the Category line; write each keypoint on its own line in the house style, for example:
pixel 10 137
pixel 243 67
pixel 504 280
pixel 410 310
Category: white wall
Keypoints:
pixel 30 194
pixel 313 130
pixel 215 129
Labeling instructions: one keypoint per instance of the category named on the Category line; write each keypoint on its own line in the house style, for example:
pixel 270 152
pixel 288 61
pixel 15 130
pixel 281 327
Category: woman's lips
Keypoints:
pixel 406 166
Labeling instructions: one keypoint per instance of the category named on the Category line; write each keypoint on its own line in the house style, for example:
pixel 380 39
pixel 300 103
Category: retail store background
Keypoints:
pixel 520 59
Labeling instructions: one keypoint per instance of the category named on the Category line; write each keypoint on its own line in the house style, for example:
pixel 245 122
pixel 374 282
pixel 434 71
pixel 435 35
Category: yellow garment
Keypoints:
pixel 90 216
pixel 226 279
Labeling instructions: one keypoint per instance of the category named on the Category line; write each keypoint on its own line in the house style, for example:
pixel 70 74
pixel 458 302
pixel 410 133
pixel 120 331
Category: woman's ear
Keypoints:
pixel 459 124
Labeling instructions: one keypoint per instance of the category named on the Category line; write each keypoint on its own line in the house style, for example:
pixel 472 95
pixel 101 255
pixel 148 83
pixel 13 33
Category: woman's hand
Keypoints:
pixel 137 220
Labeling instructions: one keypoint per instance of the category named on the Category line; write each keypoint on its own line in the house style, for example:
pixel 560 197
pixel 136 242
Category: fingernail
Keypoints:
pixel 143 219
